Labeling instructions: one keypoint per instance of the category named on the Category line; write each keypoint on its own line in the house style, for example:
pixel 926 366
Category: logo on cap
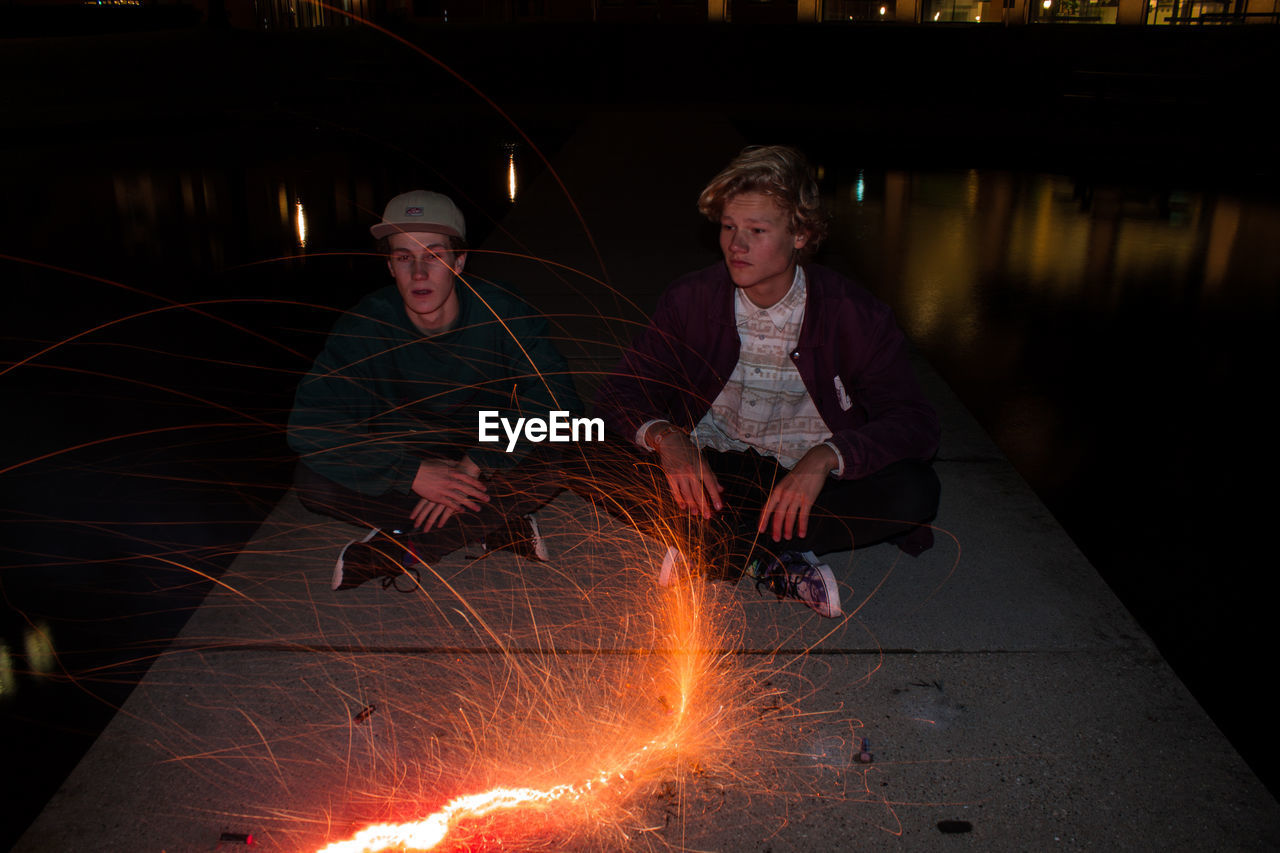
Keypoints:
pixel 413 211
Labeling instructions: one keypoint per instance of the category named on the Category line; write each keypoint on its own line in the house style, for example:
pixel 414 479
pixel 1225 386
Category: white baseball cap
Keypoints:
pixel 421 210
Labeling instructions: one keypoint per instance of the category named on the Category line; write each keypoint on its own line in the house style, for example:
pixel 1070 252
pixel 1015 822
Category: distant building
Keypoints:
pixel 306 14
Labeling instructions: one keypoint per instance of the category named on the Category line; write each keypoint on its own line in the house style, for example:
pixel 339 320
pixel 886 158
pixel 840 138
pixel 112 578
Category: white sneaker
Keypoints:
pixel 528 543
pixel 340 580
pixel 672 564
pixel 537 546
pixel 802 577
pixel 378 555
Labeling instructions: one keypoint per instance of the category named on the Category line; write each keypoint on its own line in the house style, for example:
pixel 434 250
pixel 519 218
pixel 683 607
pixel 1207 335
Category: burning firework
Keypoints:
pixel 694 671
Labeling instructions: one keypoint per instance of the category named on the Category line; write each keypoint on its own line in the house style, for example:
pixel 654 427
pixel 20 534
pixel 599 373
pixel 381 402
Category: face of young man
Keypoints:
pixel 424 267
pixel 758 247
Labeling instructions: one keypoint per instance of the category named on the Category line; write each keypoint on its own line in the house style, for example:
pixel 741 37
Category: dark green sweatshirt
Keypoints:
pixel 381 396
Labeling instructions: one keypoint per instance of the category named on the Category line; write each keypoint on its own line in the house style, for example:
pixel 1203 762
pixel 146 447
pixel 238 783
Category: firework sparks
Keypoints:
pixel 426 834
pixel 689 630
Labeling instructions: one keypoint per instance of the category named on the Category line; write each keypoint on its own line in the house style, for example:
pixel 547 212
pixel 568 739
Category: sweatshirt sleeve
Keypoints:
pixel 334 408
pixel 538 377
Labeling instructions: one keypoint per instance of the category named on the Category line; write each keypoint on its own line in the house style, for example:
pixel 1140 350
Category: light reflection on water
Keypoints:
pixel 1115 342
pixel 982 266
pixel 937 242
pixel 178 214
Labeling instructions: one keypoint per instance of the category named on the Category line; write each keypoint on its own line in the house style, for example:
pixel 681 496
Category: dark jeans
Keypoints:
pixel 513 492
pixel 892 504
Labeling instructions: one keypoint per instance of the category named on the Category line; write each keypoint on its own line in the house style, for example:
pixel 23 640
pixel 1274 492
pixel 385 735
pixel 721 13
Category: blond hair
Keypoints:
pixel 778 171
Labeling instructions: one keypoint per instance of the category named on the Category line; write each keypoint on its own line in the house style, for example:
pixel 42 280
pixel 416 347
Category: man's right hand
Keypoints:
pixel 693 483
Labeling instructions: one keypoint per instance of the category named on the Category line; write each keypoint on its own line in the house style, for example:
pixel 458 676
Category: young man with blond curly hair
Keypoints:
pixel 776 397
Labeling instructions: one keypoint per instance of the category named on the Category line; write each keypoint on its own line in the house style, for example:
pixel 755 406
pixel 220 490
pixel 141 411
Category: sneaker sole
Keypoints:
pixel 532 547
pixel 337 569
pixel 667 574
pixel 538 546
pixel 831 607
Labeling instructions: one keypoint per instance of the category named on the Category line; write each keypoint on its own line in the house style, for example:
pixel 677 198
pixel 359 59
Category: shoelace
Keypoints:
pixel 390 570
pixel 390 580
pixel 780 580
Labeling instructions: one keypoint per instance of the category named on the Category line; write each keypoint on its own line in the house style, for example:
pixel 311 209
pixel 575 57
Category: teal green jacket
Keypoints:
pixel 381 396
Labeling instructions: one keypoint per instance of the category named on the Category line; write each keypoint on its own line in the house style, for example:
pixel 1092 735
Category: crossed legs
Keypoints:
pixel 513 493
pixel 890 505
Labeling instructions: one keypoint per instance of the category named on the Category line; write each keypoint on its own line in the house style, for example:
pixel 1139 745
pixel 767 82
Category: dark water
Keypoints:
pixel 1113 337
pixel 1117 341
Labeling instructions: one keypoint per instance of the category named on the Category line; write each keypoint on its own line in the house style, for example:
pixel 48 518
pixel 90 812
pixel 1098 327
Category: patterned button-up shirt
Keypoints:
pixel 764 406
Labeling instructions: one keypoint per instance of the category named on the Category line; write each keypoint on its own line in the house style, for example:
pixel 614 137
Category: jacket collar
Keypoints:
pixel 811 331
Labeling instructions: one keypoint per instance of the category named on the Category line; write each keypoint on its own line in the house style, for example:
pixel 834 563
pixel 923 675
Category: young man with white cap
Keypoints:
pixel 386 421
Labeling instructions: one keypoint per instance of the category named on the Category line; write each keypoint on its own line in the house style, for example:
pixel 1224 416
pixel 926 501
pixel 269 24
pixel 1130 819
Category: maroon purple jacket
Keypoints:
pixel 851 355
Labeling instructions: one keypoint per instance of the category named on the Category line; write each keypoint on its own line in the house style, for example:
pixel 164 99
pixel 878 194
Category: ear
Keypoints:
pixel 459 261
pixel 801 239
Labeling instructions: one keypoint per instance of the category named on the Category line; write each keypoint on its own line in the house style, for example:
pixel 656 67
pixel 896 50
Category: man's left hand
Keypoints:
pixel 792 498
pixel 428 514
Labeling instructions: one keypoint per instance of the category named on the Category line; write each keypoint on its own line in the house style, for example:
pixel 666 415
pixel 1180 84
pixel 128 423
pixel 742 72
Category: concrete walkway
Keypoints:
pixel 1010 701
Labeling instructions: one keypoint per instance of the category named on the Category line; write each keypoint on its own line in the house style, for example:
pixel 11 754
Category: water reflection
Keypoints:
pixel 210 217
pixel 37 642
pixel 8 678
pixel 301 222
pixel 1113 341
pixel 511 172
pixel 942 242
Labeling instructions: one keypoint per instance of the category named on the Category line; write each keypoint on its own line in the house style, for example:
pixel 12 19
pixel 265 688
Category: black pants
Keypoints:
pixel 513 492
pixel 891 504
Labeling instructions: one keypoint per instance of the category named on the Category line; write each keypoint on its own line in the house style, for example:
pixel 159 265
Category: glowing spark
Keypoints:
pixel 511 175
pixel 689 662
pixel 426 834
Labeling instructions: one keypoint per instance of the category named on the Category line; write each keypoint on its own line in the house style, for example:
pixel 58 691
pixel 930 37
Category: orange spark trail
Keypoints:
pixel 691 657
pixel 426 834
